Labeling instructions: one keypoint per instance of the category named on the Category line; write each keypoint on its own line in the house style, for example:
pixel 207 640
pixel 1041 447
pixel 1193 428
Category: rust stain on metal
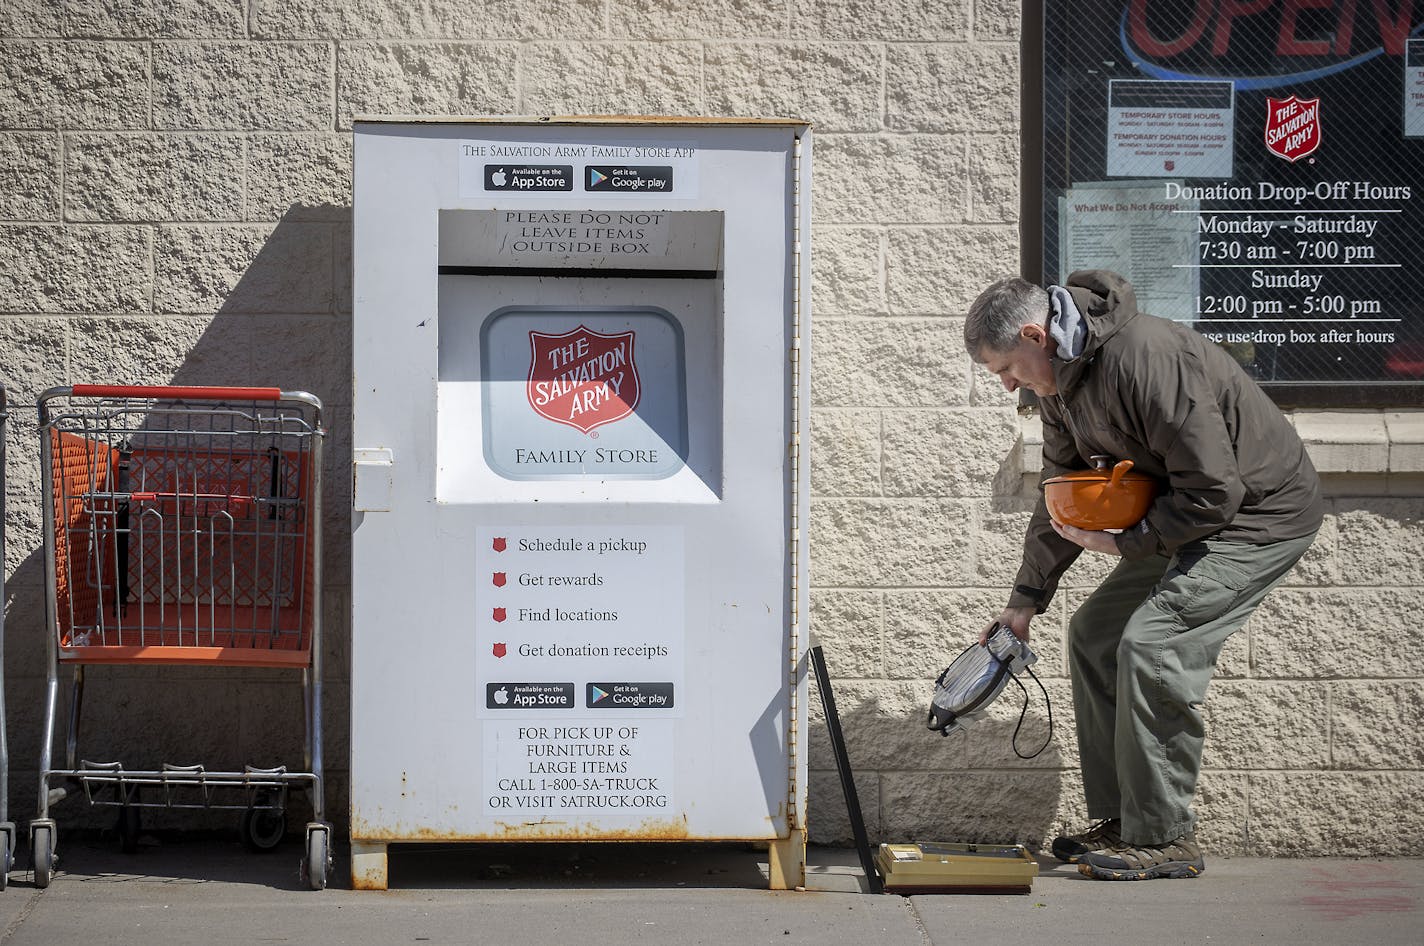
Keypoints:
pixel 652 829
pixel 361 828
pixel 361 882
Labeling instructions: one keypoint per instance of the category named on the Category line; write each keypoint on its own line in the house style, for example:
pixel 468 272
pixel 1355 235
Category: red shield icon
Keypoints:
pixel 1292 127
pixel 500 545
pixel 1169 165
pixel 499 579
pixel 499 614
pixel 583 378
pixel 499 649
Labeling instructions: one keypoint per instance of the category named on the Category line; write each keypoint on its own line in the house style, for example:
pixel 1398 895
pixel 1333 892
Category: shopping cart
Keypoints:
pixel 7 827
pixel 185 529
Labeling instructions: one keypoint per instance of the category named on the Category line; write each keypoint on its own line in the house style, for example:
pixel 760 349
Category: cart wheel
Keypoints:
pixel 318 860
pixel 7 852
pixel 263 828
pixel 128 828
pixel 42 851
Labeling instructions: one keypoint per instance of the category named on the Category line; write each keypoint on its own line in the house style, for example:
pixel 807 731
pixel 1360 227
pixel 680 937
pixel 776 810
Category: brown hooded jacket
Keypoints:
pixel 1161 395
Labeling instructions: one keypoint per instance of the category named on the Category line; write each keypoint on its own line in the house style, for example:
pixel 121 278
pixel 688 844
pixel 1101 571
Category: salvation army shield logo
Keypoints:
pixel 583 378
pixel 1292 127
pixel 499 650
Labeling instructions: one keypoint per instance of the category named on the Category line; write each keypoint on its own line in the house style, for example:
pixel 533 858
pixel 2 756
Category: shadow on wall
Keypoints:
pixel 1014 490
pixel 916 785
pixel 283 319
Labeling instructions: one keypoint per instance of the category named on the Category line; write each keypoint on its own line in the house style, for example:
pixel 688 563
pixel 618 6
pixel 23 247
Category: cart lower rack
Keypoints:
pixel 185 528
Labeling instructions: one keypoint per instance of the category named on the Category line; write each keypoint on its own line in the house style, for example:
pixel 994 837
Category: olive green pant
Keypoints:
pixel 1142 650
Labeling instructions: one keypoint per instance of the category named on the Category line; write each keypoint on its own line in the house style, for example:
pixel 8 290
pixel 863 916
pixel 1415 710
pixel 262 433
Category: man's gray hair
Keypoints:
pixel 1000 311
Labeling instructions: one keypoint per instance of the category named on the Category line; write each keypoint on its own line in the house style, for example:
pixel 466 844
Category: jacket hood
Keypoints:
pixel 1107 303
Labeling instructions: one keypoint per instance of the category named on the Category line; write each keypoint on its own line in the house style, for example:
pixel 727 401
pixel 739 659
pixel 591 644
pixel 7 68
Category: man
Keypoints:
pixel 1239 505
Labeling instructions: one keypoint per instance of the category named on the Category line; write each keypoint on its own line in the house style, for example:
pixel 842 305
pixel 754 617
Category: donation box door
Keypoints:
pixel 579 549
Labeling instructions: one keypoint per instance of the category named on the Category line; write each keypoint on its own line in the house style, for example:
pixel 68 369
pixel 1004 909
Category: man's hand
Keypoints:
pixel 1015 619
pixel 1105 542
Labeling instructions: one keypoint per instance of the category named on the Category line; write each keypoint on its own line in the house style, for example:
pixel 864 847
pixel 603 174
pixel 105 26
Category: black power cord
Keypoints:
pixel 1048 704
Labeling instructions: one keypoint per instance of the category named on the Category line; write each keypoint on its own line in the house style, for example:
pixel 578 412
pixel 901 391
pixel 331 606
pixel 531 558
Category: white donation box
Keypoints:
pixel 579 554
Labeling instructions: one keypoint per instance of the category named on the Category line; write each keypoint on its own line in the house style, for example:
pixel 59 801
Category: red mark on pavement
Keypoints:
pixel 1356 890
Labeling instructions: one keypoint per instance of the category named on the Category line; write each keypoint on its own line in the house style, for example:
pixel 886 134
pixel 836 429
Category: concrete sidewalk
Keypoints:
pixel 210 891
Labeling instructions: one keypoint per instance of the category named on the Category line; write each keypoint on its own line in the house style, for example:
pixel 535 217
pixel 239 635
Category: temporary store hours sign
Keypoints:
pixel 1256 170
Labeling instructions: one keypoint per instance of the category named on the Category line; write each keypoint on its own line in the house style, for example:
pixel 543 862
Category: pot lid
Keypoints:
pixel 1098 476
pixel 1105 470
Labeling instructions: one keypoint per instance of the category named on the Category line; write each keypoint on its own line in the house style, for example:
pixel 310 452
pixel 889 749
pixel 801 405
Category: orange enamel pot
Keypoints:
pixel 1101 498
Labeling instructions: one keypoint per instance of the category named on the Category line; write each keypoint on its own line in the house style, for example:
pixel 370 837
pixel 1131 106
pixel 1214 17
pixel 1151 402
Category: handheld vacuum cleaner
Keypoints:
pixel 975 679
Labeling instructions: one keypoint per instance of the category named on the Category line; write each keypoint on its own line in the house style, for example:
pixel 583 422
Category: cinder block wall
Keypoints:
pixel 175 206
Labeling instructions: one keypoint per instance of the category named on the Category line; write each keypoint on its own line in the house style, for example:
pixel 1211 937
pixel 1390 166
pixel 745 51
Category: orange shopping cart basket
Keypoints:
pixel 184 529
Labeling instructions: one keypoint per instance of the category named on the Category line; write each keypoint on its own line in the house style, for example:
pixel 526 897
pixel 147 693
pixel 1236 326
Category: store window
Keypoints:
pixel 1254 167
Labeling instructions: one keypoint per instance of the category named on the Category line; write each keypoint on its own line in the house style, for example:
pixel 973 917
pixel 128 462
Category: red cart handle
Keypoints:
pixel 192 392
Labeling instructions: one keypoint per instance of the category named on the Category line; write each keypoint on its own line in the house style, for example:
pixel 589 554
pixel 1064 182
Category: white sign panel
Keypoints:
pixel 579 623
pixel 582 167
pixel 522 235
pixel 1140 230
pixel 610 770
pixel 476 242
pixel 1414 89
pixel 1170 129
pixel 584 393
